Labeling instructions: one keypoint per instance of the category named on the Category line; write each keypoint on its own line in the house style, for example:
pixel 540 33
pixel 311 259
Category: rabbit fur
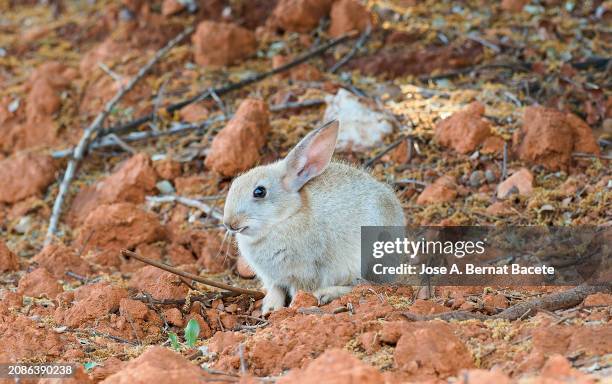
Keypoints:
pixel 305 233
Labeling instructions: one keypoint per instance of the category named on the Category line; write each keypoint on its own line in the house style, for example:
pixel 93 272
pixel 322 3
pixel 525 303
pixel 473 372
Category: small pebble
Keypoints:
pixel 340 310
pixel 547 207
pixel 476 179
pixel 165 187
pixel 126 15
pixel 490 176
pixel 24 225
pixel 14 105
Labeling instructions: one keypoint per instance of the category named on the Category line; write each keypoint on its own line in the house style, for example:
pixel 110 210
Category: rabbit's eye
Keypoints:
pixel 259 192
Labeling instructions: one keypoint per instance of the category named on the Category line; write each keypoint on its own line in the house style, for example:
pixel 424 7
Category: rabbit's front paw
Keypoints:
pixel 274 299
pixel 327 294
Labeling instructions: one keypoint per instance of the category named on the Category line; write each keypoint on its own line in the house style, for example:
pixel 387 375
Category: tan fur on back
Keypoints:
pixel 307 238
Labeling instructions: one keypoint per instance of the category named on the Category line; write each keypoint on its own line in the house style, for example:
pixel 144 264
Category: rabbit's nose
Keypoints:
pixel 227 224
pixel 231 224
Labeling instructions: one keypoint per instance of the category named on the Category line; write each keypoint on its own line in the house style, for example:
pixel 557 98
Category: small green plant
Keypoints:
pixel 192 330
pixel 174 341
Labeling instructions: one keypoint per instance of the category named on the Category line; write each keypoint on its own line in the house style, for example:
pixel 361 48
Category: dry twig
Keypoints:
pixel 179 128
pixel 256 294
pixel 233 86
pixel 188 202
pixel 94 127
pixel 388 149
pixel 358 45
pixel 552 302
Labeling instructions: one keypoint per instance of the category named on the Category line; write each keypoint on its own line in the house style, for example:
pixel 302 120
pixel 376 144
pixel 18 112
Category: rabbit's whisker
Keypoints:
pixel 227 251
pixel 227 233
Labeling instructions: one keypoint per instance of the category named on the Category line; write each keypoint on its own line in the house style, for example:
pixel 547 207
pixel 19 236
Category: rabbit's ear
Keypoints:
pixel 311 156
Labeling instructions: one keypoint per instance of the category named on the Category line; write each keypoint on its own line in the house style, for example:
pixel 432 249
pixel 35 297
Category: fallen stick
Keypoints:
pixel 179 128
pixel 358 45
pixel 592 62
pixel 188 202
pixel 232 86
pixel 296 104
pixel 552 302
pixel 388 149
pixel 591 156
pixel 94 127
pixel 410 181
pixel 504 175
pixel 256 294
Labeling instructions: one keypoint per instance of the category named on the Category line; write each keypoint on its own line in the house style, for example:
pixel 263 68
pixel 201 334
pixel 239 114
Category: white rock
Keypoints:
pixel 165 187
pixel 361 126
pixel 23 225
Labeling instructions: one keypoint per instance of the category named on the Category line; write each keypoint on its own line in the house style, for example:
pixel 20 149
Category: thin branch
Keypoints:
pixel 125 146
pixel 410 181
pixel 180 128
pixel 591 156
pixel 592 62
pixel 188 202
pixel 256 294
pixel 358 45
pixel 552 302
pixel 177 129
pixel 110 72
pixel 296 104
pixel 158 100
pixel 94 127
pixel 388 149
pixel 505 162
pixel 204 299
pixel 480 40
pixel 218 100
pixel 78 277
pixel 233 86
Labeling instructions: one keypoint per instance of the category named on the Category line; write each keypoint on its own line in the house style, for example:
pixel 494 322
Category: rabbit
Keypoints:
pixel 297 222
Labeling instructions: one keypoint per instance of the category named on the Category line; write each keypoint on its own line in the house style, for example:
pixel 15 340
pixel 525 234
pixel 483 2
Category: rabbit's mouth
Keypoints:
pixel 234 230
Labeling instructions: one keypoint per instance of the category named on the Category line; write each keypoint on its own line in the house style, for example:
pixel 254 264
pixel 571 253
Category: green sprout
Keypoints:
pixel 174 341
pixel 192 330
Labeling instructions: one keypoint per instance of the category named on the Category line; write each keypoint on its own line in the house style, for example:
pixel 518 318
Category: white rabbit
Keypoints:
pixel 298 221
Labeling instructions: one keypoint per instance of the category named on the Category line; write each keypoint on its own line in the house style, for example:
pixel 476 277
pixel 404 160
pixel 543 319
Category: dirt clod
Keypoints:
pixel 549 137
pixel 304 300
pixel 59 259
pixel 130 183
pixel 25 174
pixel 39 283
pixel 236 148
pixel 299 15
pixel 336 363
pixel 431 349
pixel 159 284
pixel 109 228
pixel 347 16
pixel 92 302
pixel 442 190
pixel 598 299
pixel 465 130
pixel 8 260
pixel 160 365
pixel 520 182
pixel 218 44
